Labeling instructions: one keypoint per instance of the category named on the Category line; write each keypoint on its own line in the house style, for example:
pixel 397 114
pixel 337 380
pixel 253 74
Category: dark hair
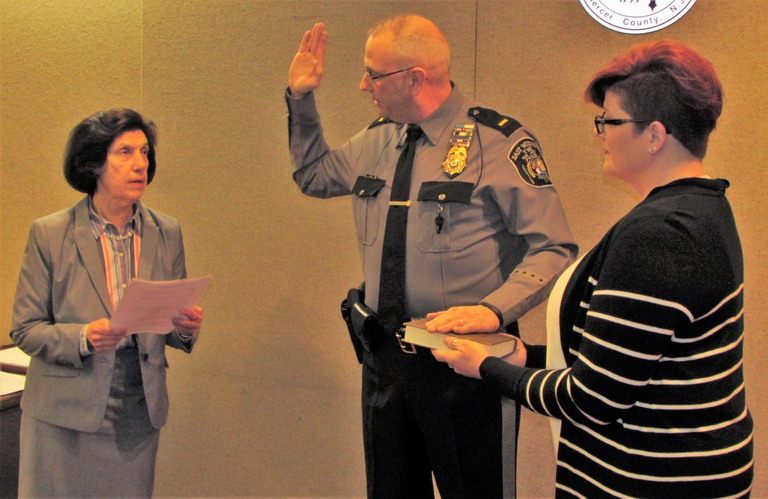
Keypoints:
pixel 667 82
pixel 89 142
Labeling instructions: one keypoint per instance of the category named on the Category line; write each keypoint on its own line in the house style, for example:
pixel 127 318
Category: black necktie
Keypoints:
pixel 391 309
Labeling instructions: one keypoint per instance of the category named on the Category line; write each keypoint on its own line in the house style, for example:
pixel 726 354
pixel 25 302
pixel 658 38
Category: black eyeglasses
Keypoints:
pixel 600 122
pixel 375 77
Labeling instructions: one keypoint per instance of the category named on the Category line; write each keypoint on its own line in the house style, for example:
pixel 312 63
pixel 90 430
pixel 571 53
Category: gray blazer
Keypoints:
pixel 62 286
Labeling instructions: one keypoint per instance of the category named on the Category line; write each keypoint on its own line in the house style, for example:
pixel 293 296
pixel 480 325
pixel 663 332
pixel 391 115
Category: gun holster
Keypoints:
pixel 361 322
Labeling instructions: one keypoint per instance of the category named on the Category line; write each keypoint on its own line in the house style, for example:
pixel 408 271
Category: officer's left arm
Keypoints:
pixel 531 208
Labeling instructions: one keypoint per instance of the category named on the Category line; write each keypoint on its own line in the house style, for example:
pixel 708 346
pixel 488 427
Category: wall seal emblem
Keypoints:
pixel 636 16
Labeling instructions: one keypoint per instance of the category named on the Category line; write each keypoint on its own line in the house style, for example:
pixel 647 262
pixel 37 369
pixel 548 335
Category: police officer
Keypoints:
pixel 486 236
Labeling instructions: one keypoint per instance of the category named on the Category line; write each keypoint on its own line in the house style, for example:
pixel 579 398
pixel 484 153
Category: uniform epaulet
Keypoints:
pixel 379 121
pixel 492 119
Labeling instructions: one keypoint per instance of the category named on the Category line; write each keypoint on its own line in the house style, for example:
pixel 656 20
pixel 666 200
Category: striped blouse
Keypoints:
pixel 652 400
pixel 120 253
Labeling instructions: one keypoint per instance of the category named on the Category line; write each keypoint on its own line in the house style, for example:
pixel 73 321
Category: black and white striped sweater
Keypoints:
pixel 653 401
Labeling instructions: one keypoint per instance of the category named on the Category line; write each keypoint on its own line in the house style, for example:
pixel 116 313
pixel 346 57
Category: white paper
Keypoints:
pixel 14 357
pixel 11 383
pixel 148 306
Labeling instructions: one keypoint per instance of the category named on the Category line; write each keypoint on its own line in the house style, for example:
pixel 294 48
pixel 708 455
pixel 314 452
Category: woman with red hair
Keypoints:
pixel 650 321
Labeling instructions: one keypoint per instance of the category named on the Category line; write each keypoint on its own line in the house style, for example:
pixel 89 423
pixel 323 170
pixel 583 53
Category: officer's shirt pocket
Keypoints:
pixel 454 198
pixel 366 207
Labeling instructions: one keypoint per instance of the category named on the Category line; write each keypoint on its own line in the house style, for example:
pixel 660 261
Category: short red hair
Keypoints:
pixel 664 81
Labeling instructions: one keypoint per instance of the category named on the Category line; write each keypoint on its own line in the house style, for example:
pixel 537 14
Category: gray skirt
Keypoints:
pixel 116 461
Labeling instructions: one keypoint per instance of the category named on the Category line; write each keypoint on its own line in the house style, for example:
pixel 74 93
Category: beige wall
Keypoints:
pixel 268 405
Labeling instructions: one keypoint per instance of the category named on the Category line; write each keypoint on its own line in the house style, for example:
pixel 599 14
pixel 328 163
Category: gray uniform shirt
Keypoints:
pixel 503 240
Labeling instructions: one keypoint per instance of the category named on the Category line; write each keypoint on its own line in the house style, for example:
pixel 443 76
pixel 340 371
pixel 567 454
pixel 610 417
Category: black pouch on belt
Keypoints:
pixel 361 322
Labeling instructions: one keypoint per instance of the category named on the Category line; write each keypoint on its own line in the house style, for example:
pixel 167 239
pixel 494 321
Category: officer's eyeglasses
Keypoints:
pixel 375 77
pixel 601 121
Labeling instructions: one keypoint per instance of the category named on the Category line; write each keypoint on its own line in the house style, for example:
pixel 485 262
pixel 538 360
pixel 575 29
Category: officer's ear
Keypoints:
pixel 417 77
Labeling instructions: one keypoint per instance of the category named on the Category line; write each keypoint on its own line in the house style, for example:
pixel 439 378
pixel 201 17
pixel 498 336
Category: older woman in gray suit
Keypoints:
pixel 96 397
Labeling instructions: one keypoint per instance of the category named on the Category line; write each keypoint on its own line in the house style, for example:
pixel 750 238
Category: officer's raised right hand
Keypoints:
pixel 307 66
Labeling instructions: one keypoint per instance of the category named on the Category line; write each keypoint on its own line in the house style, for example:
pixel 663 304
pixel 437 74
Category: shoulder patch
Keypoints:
pixel 492 119
pixel 379 121
pixel 527 158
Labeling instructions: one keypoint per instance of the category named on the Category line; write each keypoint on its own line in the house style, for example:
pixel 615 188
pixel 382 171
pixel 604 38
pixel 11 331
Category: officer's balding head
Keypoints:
pixel 417 41
pixel 407 60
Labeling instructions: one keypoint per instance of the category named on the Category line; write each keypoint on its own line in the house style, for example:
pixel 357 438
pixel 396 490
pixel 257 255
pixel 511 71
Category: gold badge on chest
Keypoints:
pixel 456 159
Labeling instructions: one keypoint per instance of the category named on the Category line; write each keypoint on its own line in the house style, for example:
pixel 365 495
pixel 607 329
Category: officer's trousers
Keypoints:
pixel 419 418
